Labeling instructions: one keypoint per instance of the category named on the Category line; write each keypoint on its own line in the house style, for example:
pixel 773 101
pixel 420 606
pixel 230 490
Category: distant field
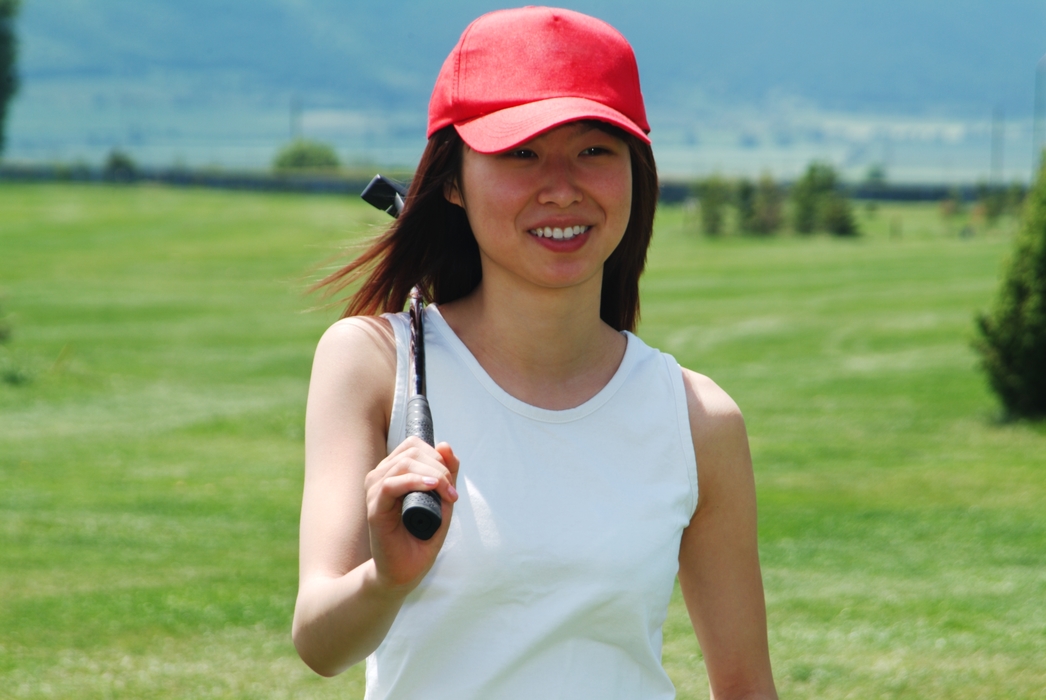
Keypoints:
pixel 150 446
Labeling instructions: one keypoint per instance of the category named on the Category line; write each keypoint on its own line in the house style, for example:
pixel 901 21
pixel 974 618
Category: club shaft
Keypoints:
pixel 422 510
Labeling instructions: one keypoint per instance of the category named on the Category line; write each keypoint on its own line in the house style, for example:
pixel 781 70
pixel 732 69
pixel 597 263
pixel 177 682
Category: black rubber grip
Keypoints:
pixel 419 420
pixel 422 511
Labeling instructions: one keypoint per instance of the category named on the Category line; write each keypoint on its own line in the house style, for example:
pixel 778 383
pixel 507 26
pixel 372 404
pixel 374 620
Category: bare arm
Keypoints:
pixel 718 557
pixel 357 562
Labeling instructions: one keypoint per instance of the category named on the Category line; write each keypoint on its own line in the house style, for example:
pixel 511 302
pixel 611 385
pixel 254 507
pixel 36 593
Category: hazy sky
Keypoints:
pixel 170 75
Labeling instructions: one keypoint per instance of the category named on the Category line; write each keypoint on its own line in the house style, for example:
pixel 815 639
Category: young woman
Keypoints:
pixel 579 469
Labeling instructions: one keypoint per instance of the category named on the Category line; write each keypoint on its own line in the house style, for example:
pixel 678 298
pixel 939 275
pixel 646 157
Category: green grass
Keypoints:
pixel 152 397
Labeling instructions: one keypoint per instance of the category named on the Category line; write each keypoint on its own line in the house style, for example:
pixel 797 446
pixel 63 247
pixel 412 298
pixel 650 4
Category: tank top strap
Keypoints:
pixel 397 421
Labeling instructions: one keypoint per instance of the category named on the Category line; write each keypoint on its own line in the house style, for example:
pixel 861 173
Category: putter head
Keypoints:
pixel 385 194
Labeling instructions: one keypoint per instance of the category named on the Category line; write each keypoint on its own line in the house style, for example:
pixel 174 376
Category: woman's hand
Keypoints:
pixel 400 559
pixel 357 561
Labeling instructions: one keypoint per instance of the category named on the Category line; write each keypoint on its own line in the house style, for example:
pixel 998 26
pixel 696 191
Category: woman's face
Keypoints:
pixel 550 211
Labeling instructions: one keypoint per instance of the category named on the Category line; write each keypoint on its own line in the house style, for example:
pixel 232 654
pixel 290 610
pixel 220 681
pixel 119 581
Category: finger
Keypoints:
pixel 436 477
pixel 429 466
pixel 452 463
pixel 407 446
pixel 406 453
pixel 446 452
pixel 412 441
pixel 423 466
pixel 386 497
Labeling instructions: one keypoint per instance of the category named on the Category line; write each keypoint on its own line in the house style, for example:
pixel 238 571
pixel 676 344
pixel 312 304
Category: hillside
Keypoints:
pixel 232 67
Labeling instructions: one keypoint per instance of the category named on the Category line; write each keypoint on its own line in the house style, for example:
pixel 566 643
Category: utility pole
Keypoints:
pixel 295 117
pixel 1038 127
pixel 998 145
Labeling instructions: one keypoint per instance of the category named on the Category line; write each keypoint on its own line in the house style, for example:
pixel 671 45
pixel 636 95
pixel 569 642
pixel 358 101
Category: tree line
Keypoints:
pixel 816 201
pixel 1011 335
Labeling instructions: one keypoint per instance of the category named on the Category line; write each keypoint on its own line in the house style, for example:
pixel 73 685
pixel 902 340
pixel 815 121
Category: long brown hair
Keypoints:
pixel 431 243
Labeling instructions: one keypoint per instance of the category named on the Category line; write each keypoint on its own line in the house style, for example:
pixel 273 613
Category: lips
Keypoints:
pixel 565 233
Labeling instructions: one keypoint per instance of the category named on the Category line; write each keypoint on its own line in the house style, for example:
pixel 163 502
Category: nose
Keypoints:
pixel 559 184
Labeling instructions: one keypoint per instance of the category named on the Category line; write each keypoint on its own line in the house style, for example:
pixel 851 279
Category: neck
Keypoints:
pixel 546 347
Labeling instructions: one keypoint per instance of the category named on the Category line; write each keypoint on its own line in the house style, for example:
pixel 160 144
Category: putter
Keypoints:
pixel 422 513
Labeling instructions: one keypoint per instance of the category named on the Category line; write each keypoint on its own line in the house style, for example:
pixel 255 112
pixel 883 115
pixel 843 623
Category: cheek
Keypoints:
pixel 620 193
pixel 493 200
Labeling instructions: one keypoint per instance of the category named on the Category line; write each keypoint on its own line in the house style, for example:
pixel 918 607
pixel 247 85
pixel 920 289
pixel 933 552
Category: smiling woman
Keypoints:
pixel 568 457
pixel 552 210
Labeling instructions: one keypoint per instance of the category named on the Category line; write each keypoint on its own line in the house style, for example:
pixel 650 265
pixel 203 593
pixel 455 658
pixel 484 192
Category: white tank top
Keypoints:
pixel 559 563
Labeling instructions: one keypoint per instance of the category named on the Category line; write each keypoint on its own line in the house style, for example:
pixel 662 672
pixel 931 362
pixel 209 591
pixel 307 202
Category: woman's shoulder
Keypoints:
pixel 359 337
pixel 355 362
pixel 707 400
pixel 717 429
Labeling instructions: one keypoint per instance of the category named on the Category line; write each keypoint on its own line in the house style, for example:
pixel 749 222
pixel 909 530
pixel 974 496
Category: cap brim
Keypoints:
pixel 501 130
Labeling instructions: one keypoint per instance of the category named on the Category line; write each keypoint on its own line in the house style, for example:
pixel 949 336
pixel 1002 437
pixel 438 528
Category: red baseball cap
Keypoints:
pixel 515 74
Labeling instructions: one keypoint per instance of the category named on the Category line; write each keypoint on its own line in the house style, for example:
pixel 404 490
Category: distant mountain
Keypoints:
pixel 119 64
pixel 889 55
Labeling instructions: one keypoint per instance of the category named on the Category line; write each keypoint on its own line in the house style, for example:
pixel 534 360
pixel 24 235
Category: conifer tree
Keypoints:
pixel 8 60
pixel 1012 336
pixel 744 200
pixel 712 194
pixel 808 195
pixel 767 207
pixel 818 205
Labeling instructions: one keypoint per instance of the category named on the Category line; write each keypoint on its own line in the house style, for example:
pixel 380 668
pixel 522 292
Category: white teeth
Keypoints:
pixel 559 233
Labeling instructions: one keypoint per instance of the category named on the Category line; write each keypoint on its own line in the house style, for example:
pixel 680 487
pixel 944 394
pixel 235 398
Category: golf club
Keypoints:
pixel 422 513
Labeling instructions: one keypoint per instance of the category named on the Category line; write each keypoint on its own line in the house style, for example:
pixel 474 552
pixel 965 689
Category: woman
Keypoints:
pixel 579 469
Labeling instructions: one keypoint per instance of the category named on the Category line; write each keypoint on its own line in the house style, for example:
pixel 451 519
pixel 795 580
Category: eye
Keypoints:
pixel 596 151
pixel 521 153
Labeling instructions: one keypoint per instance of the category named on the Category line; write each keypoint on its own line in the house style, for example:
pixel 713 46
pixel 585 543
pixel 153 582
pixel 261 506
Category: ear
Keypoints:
pixel 452 193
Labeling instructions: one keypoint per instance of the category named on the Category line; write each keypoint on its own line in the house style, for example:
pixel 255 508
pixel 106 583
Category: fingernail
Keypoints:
pixel 452 491
pixel 430 481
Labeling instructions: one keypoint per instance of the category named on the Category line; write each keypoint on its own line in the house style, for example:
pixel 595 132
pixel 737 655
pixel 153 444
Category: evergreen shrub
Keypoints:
pixel 837 215
pixel 1012 336
pixel 767 206
pixel 817 203
pixel 744 200
pixel 712 194
pixel 8 60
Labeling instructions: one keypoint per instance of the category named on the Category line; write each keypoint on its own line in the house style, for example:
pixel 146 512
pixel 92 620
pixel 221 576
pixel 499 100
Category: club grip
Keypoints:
pixel 422 514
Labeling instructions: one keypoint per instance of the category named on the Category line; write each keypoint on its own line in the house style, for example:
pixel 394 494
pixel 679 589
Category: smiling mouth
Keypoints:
pixel 562 234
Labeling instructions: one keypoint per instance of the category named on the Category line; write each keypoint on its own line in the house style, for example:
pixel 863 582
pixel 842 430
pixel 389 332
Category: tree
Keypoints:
pixel 807 196
pixel 8 61
pixel 766 206
pixel 875 178
pixel 712 194
pixel 817 203
pixel 837 216
pixel 1012 336
pixel 119 167
pixel 991 200
pixel 303 154
pixel 744 200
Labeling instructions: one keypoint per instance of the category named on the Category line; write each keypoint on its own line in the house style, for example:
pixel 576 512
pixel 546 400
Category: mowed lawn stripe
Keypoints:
pixel 150 471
